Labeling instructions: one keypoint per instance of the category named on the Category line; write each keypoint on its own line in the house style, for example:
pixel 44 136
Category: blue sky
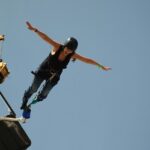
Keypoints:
pixel 89 108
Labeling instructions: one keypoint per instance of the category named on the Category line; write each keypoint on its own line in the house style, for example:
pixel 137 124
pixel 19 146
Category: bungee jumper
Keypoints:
pixel 52 67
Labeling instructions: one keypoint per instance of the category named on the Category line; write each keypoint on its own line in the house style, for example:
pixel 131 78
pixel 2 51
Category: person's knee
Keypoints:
pixel 30 91
pixel 41 97
pixel 33 89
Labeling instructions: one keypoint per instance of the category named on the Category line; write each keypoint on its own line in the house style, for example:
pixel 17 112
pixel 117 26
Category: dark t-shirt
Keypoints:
pixel 53 65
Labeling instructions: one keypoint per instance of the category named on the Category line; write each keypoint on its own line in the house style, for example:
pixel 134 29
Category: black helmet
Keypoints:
pixel 71 43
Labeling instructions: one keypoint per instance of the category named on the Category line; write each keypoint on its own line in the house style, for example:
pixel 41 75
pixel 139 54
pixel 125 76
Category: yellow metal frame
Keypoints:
pixel 3 71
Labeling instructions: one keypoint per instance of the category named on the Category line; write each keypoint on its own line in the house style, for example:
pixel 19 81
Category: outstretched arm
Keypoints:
pixel 43 36
pixel 90 61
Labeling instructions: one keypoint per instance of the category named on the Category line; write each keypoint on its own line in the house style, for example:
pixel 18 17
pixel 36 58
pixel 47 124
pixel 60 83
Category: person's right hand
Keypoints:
pixel 30 27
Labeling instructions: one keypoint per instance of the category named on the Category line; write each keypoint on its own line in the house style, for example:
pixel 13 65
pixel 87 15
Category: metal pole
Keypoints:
pixel 8 105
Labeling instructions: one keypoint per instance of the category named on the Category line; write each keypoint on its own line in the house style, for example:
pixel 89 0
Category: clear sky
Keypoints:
pixel 89 109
